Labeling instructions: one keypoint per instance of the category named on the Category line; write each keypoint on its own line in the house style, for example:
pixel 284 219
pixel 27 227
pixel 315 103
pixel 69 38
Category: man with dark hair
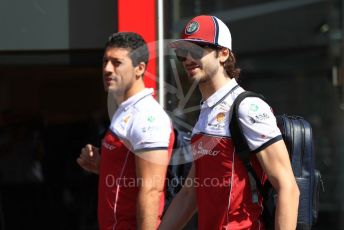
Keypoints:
pixel 218 185
pixel 137 146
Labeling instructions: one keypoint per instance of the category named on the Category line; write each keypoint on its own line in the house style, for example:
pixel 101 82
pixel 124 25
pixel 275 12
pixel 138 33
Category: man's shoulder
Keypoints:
pixel 252 105
pixel 148 101
pixel 150 107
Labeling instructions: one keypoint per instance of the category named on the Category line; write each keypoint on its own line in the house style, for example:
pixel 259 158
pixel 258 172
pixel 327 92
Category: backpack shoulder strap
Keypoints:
pixel 241 145
pixel 235 128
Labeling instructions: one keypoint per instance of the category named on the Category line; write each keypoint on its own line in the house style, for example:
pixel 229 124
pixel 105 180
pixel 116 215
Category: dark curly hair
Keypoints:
pixel 230 66
pixel 132 41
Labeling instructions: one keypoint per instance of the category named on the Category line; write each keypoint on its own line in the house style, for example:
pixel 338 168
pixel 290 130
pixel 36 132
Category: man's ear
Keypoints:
pixel 140 69
pixel 224 54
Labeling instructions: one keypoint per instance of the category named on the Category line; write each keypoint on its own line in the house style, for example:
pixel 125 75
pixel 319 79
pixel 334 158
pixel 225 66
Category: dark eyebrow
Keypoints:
pixel 112 59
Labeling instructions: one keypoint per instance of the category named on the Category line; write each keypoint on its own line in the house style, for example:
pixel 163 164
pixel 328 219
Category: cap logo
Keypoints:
pixel 192 28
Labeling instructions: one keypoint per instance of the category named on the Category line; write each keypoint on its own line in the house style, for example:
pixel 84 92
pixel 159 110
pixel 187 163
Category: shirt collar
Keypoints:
pixel 219 94
pixel 136 98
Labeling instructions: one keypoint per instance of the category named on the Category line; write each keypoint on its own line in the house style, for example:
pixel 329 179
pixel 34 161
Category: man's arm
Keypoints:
pixel 183 206
pixel 151 167
pixel 275 162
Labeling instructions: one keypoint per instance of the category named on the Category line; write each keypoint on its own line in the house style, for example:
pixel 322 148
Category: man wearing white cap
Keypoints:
pixel 218 185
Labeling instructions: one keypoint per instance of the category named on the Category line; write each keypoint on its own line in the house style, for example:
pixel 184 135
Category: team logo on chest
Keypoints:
pixel 126 118
pixel 220 117
pixel 123 123
pixel 217 121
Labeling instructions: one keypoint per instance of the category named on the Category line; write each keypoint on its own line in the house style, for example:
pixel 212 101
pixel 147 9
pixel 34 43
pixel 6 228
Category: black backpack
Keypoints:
pixel 297 135
pixel 180 164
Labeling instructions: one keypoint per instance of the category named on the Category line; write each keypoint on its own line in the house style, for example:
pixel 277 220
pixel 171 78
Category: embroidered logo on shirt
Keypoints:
pixel 220 117
pixel 263 136
pixel 199 150
pixel 146 129
pixel 224 107
pixel 151 119
pixel 254 107
pixel 126 119
pixel 218 121
pixel 261 117
pixel 108 146
pixel 256 114
pixel 251 120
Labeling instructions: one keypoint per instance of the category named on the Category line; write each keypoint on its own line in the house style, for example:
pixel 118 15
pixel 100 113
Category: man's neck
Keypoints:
pixel 210 86
pixel 135 89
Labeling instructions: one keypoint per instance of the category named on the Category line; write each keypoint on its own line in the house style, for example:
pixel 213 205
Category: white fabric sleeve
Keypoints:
pixel 258 123
pixel 150 130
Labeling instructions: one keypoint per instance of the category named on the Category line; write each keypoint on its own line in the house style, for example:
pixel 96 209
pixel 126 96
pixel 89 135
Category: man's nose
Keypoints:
pixel 188 57
pixel 108 67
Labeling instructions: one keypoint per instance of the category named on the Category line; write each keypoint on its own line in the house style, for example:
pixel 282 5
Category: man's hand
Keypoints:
pixel 89 159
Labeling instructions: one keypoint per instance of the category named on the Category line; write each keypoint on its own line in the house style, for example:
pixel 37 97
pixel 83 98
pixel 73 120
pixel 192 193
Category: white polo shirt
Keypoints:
pixel 257 119
pixel 141 123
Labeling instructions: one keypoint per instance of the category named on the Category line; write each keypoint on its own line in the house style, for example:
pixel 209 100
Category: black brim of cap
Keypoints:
pixel 185 42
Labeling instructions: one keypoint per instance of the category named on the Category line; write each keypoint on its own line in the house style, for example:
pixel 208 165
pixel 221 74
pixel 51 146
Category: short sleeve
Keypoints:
pixel 150 131
pixel 258 123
